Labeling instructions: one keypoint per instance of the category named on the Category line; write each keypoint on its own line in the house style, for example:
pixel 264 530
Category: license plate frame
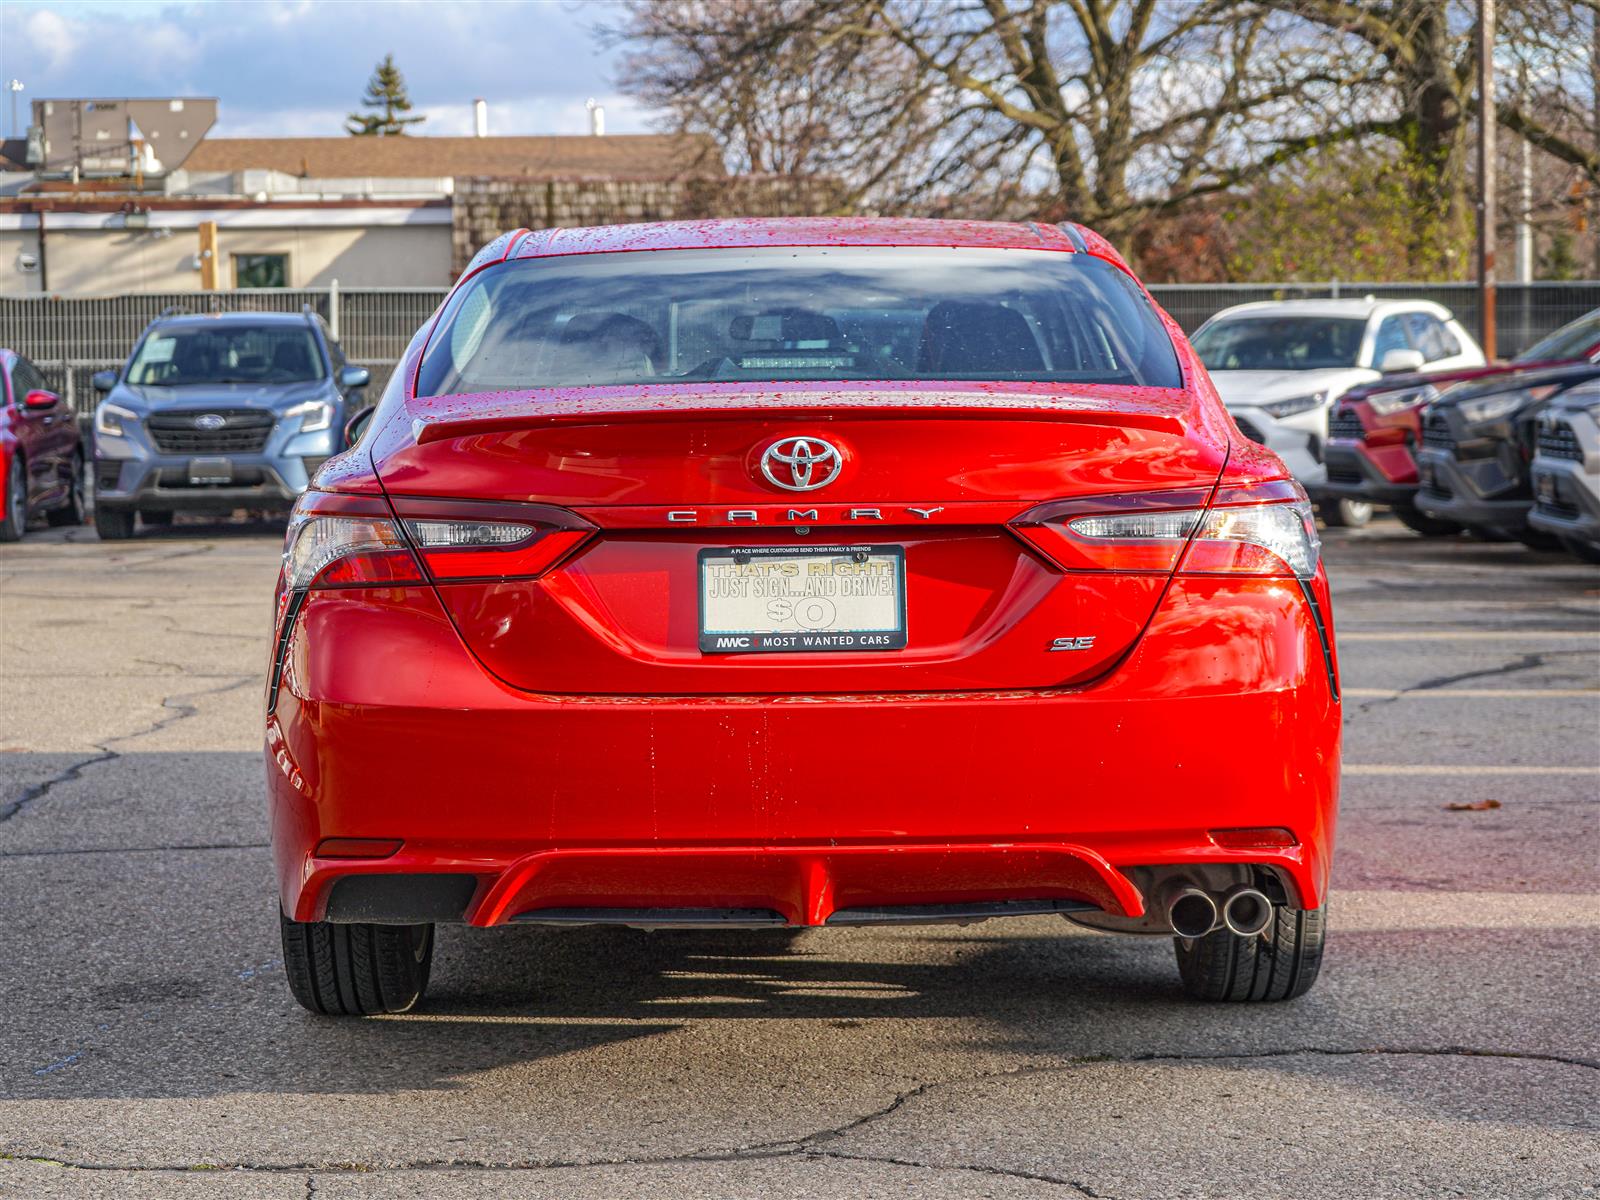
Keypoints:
pixel 747 638
pixel 204 471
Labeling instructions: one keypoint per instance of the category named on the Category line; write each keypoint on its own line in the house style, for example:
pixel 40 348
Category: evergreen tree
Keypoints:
pixel 386 90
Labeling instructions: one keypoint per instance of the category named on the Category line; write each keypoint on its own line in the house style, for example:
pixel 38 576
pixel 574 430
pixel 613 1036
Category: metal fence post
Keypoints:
pixel 333 308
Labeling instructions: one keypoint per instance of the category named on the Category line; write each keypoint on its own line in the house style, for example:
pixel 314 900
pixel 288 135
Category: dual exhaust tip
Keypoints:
pixel 1193 913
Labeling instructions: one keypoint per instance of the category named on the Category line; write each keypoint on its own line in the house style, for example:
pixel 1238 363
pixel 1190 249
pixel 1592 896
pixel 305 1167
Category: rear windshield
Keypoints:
pixel 1280 343
pixel 798 314
pixel 1573 340
pixel 177 356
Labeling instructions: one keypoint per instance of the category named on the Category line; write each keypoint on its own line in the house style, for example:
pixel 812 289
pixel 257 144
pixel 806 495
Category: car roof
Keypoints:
pixel 231 318
pixel 751 232
pixel 1362 309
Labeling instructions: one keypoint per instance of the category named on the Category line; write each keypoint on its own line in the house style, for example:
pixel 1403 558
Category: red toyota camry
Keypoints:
pixel 797 573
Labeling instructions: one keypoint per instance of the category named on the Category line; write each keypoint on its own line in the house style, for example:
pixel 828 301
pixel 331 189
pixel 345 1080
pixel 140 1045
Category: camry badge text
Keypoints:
pixel 795 516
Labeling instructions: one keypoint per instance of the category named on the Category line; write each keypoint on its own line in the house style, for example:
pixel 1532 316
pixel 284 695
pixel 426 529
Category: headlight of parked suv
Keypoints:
pixel 313 414
pixel 108 419
pixel 1295 404
pixel 1502 404
pixel 1386 404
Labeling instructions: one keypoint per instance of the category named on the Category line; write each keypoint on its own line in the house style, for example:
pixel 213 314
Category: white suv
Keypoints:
pixel 1280 364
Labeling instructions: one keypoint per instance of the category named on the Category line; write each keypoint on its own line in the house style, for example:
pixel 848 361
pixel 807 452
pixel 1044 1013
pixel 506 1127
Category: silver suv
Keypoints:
pixel 1566 471
pixel 218 412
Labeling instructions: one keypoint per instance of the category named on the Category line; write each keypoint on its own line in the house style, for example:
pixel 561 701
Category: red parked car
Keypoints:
pixel 801 573
pixel 41 452
pixel 1375 428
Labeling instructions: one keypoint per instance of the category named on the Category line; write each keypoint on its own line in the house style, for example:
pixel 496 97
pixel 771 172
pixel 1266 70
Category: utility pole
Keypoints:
pixel 1525 207
pixel 1486 178
pixel 1594 91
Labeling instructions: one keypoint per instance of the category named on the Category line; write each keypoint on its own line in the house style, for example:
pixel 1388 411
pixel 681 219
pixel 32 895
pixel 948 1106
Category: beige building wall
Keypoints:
pixel 88 261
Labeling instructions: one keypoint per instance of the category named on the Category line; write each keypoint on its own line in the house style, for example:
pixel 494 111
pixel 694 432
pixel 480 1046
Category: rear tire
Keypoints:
pixel 15 523
pixel 1344 514
pixel 1279 963
pixel 1414 519
pixel 340 970
pixel 1578 548
pixel 113 524
pixel 71 511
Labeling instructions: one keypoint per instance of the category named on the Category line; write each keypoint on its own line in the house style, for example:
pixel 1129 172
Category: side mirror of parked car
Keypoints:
pixel 351 378
pixel 104 381
pixel 357 425
pixel 40 399
pixel 1397 361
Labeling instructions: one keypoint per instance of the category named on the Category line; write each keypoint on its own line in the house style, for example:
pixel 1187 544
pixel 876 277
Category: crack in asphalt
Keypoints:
pixel 818 1144
pixel 178 711
pixel 1525 662
pixel 134 849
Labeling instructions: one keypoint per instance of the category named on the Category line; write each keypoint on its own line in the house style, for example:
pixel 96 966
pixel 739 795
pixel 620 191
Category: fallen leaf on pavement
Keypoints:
pixel 1472 805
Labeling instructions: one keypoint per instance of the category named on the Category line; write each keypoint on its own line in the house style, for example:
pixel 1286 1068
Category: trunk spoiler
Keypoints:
pixel 1165 410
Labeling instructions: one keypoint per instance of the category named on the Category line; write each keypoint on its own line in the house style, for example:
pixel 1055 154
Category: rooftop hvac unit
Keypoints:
pixel 116 138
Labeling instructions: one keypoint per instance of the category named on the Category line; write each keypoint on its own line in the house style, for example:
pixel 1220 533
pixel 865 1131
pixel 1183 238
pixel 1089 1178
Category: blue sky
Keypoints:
pixel 296 67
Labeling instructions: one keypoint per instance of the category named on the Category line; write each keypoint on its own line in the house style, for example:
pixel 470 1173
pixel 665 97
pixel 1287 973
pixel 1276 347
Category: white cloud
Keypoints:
pixel 49 35
pixel 296 67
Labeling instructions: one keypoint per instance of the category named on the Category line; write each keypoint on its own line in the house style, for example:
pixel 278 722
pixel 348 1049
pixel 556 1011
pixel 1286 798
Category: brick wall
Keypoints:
pixel 482 209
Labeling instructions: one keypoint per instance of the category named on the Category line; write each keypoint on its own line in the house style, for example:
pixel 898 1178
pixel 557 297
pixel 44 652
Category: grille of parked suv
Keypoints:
pixel 1345 424
pixel 1558 508
pixel 1343 475
pixel 1250 431
pixel 243 431
pixel 1436 433
pixel 1559 440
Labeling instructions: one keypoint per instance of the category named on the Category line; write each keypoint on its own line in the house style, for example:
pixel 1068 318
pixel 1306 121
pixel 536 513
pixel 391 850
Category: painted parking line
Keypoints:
pixel 1460 769
pixel 1470 635
pixel 1471 693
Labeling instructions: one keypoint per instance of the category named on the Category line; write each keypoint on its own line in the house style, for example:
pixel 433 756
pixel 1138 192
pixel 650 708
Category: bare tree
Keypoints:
pixel 1421 56
pixel 1107 111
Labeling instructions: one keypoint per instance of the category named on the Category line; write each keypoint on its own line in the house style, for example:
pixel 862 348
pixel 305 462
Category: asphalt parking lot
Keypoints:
pixel 149 1046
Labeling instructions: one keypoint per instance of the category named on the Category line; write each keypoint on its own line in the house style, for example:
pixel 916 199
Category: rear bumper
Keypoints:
pixel 812 808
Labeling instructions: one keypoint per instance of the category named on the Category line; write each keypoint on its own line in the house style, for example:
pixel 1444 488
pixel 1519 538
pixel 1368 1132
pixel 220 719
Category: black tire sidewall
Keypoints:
pixel 15 523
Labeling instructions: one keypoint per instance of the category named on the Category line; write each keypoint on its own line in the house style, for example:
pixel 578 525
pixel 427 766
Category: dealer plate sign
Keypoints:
pixel 773 599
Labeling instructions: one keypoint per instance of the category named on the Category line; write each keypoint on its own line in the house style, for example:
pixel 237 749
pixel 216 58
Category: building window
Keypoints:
pixel 260 270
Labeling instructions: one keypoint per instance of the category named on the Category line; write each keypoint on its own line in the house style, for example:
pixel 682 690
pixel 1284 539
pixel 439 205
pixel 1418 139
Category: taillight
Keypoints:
pixel 1264 529
pixel 472 539
pixel 345 541
pixel 1143 531
pixel 337 540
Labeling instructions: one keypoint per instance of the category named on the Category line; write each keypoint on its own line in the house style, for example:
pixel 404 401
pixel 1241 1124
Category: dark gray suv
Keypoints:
pixel 218 412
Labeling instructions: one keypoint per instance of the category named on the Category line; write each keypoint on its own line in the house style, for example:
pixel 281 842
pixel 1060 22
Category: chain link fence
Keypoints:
pixel 70 338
